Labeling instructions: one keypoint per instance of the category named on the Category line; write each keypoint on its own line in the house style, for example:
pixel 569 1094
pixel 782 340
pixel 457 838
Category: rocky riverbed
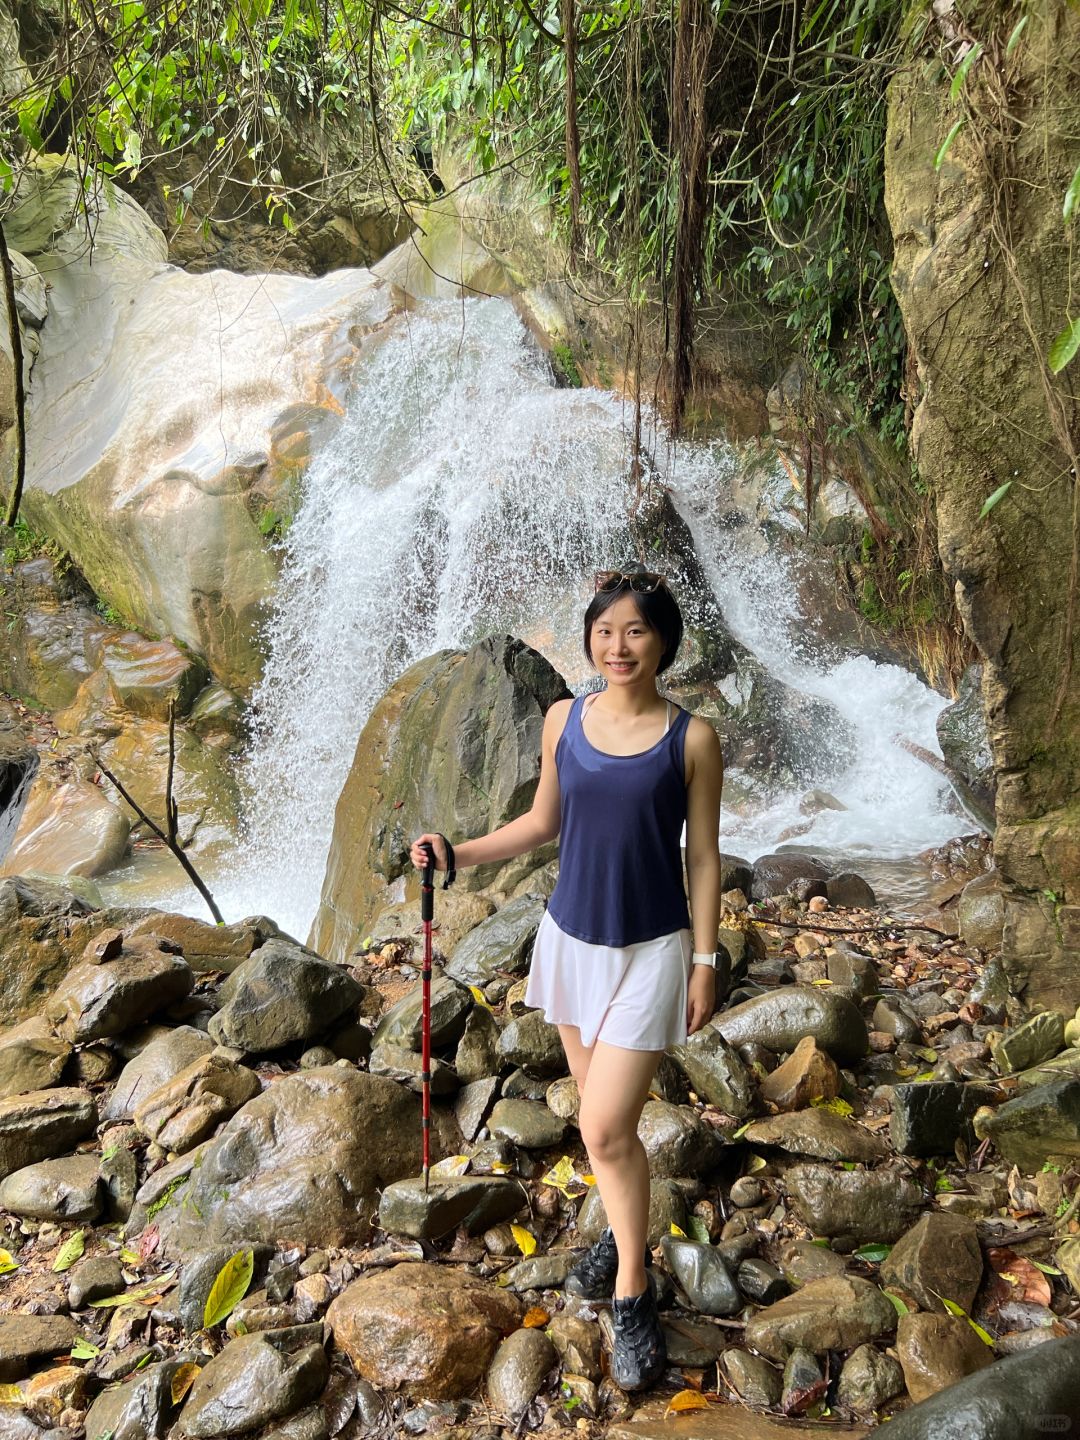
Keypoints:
pixel 863 1208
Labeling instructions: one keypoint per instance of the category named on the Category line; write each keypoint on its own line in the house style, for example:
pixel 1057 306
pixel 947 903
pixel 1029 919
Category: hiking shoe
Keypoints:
pixel 639 1350
pixel 593 1277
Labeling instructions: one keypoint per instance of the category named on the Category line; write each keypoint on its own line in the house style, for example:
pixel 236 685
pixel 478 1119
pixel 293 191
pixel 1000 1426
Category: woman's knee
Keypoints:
pixel 606 1137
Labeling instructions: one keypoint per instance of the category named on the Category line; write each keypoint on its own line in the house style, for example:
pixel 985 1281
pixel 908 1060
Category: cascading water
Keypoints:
pixel 464 494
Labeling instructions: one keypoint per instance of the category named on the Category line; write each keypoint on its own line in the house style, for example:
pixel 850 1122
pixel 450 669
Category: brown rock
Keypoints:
pixel 424 1329
pixel 807 1074
pixel 203 946
pixel 939 1257
pixel 97 1001
pixel 42 1124
pixel 31 1057
pixel 936 1351
pixel 835 1313
pixel 188 1108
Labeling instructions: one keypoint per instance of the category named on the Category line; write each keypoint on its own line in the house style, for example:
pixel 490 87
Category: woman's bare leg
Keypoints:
pixel 617 1084
pixel 577 1054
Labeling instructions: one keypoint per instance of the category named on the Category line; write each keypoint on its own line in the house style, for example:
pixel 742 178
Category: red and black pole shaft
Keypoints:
pixel 427 912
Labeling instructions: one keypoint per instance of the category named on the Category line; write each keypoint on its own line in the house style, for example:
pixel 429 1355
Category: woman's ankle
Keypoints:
pixel 630 1283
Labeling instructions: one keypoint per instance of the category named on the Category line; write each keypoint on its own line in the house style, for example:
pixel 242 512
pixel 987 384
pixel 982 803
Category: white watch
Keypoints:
pixel 705 958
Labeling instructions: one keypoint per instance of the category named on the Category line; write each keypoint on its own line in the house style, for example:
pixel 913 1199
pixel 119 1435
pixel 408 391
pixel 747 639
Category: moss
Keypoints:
pixel 22 542
pixel 565 366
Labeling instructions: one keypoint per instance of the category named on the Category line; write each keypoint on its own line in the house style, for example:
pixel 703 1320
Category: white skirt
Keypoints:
pixel 633 996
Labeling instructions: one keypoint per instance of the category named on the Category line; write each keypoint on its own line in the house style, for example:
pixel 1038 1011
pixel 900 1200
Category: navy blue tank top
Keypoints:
pixel 620 865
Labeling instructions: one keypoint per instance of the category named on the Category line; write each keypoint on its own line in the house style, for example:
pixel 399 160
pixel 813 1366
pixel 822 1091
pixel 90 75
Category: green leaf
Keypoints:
pixel 83 1349
pixel 874 1253
pixel 70 1251
pixel 1064 347
pixel 992 500
pixel 1017 31
pixel 949 138
pixel 1072 196
pixel 1046 1269
pixel 143 1293
pixel 229 1287
pixel 981 1333
pixel 699 1231
pixel 963 68
pixel 8 1263
pixel 897 1304
pixel 951 1306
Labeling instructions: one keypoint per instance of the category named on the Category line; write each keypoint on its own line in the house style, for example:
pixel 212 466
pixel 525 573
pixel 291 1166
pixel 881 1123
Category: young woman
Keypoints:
pixel 616 965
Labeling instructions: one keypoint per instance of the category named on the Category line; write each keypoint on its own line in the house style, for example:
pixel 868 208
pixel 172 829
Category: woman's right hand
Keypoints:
pixel 419 859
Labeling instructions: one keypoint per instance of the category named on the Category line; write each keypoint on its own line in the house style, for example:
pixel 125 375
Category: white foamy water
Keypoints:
pixel 465 495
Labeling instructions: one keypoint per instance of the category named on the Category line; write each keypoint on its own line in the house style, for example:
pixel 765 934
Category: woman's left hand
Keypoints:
pixel 700 997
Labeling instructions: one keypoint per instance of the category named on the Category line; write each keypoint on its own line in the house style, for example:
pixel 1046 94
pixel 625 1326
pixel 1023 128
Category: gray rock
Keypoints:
pixel 541 1272
pixel 158 1062
pixel 68 1189
pixel 1041 1124
pixel 929 1118
pixel 894 1018
pixel 677 1141
pixel 140 1409
pixel 250 1383
pixel 803 1382
pixel 1026 1396
pixel 667 1207
pixel 41 1124
pixel 26 1339
pixel 477 1054
pixel 473 1201
pixel 119 1180
pixel 309 1424
pixel 1036 1040
pixel 202 1268
pixel 94 1002
pixel 980 911
pixel 754 1380
pixel 854 974
pixel 855 1204
pixel 716 1073
pixel 188 1108
pixel 703 1276
pixel 450 1007
pixel 830 1314
pixel 869 1380
pixel 164 1187
pixel 31 1057
pixel 518 1370
pixel 473 1105
pixel 527 1123
pixel 761 1282
pixel 779 1019
pixel 500 945
pixel 820 1133
pixel 991 990
pixel 529 1041
pixel 802 1261
pixel 773 874
pixel 939 1256
pixel 93 1279
pixel 735 873
pixel 520 1085
pixel 279 995
pixel 848 891
pixel 395 1062
pixel 694 1344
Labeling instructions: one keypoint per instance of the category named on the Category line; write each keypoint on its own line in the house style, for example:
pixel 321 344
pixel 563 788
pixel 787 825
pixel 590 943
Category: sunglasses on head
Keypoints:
pixel 643 581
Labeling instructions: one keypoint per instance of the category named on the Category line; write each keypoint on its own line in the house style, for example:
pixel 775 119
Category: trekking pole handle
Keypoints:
pixel 427 882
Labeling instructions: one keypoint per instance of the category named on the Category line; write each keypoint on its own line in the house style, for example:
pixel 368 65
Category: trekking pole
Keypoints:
pixel 427 912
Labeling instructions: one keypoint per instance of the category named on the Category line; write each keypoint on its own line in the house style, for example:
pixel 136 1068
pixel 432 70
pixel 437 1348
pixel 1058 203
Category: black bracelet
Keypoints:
pixel 451 872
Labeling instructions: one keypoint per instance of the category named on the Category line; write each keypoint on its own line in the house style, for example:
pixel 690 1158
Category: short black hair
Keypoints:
pixel 658 608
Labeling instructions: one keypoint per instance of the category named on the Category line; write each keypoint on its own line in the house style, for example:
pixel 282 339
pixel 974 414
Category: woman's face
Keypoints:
pixel 624 648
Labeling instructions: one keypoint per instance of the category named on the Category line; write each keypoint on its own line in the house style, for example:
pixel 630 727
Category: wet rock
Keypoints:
pixel 69 829
pixel 939 1256
pixel 499 945
pixel 936 1351
pixel 869 1380
pixel 891 1017
pixel 746 1192
pixel 518 1370
pixel 189 1107
pixel 848 891
pixel 754 1380
pixel 427 1330
pixel 820 1133
pixel 830 1314
pixel 541 1272
pixel 980 912
pixel 473 1201
pixel 92 1065
pixel 802 1261
pixel 703 1276
pixel 1041 1124
pixel 803 1382
pixel 529 1041
pixel 301 1163
pixel 205 946
pixel 67 1189
pixel 31 1057
pixel 677 1141
pixel 527 1123
pixel 562 1098
pixel 667 1207
pixel 808 1074
pixel 137 1410
pixel 991 991
pixel 773 874
pixel 929 1118
pixel 41 1124
pixel 473 1105
pixel 850 972
pixel 120 1180
pixel 395 1062
pixel 200 1270
pixel 578 1344
pixel 854 1204
pixel 280 995
pixel 152 1067
pixel 1031 1043
pixel 779 1019
pixel 94 1002
pixel 716 1073
pixel 735 873
pixel 519 1085
pixel 251 1382
pixel 26 1339
pixel 477 1054
pixel 450 1007
pixel 761 1282
pixel 93 1279
pixel 1061 1066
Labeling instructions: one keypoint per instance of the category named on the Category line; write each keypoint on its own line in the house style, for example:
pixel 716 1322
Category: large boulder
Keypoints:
pixel 455 742
pixel 279 995
pixel 780 1018
pixel 302 1163
pixel 99 1001
pixel 68 829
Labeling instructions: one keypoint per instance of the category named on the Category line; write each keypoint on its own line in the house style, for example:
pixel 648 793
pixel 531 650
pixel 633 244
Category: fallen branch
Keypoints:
pixel 883 928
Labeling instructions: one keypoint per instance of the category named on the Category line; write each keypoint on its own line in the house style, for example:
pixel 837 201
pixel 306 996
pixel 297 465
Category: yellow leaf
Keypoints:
pixel 587 1179
pixel 70 1251
pixel 560 1174
pixel 479 996
pixel 526 1243
pixel 129 1257
pixel 834 1107
pixel 500 1167
pixel 452 1166
pixel 7 1262
pixel 229 1287
pixel 756 1162
pixel 676 1231
pixel 686 1400
pixel 146 1294
pixel 182 1379
pixel 535 1318
pixel 11 1395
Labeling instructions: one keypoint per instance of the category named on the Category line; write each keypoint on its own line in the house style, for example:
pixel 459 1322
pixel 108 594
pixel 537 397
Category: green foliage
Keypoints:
pixel 22 542
pixel 565 366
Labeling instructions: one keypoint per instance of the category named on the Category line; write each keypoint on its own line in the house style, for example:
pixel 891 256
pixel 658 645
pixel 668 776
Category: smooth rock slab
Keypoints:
pixel 67 1189
pixel 31 1057
pixel 831 1314
pixel 527 1123
pixel 251 1382
pixel 281 995
pixel 518 1370
pixel 939 1256
pixel 780 1018
pixel 26 1339
pixel 189 1107
pixel 820 1133
pixel 95 1002
pixel 152 1067
pixel 42 1124
pixel 936 1351
pixel 858 1204
pixel 704 1277
pixel 474 1201
pixel 426 1330
pixel 450 1007
pixel 500 945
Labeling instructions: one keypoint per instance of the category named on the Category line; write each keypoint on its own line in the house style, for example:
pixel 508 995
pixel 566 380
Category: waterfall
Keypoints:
pixel 465 494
